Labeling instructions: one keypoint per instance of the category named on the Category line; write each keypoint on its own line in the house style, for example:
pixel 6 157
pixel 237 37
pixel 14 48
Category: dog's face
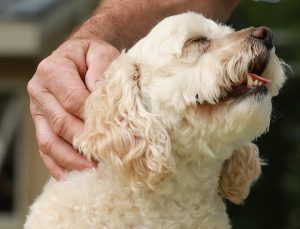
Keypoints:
pixel 199 74
pixel 190 86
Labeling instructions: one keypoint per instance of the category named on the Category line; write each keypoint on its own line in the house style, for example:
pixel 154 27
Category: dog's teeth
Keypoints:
pixel 249 81
pixel 252 82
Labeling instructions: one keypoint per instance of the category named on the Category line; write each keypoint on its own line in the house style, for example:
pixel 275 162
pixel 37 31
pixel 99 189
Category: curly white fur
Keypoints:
pixel 168 146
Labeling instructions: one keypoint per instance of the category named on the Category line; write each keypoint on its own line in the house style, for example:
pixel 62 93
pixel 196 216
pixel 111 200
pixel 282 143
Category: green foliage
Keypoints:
pixel 275 200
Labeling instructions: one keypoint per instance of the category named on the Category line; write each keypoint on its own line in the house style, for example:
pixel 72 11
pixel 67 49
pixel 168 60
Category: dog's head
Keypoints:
pixel 190 81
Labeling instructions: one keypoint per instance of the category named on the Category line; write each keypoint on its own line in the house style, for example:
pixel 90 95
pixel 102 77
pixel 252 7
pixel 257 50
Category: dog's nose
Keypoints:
pixel 264 35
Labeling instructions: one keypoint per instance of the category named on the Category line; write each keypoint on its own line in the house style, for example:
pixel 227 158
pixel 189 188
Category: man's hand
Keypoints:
pixel 58 91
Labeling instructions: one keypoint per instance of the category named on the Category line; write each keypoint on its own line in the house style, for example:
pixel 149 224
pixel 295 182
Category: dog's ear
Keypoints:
pixel 239 172
pixel 121 131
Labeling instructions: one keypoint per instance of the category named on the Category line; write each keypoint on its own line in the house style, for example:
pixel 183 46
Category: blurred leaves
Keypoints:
pixel 275 200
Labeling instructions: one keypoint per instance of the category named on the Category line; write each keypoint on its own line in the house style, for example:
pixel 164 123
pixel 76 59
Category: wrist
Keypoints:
pixel 93 29
pixel 122 23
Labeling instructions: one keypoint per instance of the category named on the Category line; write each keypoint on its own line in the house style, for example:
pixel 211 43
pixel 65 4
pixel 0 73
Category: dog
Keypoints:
pixel 171 127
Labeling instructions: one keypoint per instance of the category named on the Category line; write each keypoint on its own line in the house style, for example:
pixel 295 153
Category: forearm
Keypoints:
pixel 122 23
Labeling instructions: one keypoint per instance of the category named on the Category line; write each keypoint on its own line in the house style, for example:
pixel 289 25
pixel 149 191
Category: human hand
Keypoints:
pixel 57 96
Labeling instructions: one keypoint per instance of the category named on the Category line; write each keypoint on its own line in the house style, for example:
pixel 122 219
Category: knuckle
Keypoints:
pixel 45 67
pixel 35 112
pixel 72 102
pixel 45 145
pixel 31 88
pixel 60 124
pixel 34 89
pixel 35 85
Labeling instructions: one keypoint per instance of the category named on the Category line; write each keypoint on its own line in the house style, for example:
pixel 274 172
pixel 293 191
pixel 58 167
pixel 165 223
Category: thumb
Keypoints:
pixel 99 57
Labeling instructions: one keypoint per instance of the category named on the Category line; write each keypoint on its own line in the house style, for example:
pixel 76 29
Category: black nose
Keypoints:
pixel 264 35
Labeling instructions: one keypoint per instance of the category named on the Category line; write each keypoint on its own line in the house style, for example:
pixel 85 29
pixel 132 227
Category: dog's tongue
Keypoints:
pixel 259 78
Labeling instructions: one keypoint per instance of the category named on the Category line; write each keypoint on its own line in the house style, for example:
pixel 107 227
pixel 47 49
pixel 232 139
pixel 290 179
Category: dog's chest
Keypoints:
pixel 99 199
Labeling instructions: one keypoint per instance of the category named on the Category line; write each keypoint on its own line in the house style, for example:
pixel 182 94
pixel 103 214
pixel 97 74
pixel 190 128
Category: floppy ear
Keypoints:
pixel 239 172
pixel 121 131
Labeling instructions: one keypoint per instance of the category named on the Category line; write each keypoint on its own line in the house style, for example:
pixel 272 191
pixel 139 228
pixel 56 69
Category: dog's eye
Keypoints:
pixel 196 45
pixel 200 39
pixel 197 40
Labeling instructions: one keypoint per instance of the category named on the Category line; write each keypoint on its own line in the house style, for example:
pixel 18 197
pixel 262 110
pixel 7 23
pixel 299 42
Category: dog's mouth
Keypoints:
pixel 253 83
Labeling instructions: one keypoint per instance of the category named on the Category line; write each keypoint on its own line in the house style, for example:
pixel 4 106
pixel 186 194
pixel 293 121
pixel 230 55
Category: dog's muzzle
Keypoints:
pixel 254 83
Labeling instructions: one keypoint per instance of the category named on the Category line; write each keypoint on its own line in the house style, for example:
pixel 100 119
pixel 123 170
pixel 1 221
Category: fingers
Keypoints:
pixel 99 57
pixel 56 153
pixel 57 97
pixel 61 122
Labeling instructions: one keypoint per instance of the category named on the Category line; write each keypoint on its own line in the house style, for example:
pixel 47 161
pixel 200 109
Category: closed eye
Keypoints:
pixel 195 45
pixel 200 39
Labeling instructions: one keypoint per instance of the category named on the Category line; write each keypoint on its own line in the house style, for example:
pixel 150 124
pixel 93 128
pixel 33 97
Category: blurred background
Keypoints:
pixel 31 29
pixel 275 200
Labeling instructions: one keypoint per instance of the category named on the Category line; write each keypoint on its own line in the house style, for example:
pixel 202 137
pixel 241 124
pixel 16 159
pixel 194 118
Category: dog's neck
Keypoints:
pixel 195 171
pixel 198 163
pixel 192 188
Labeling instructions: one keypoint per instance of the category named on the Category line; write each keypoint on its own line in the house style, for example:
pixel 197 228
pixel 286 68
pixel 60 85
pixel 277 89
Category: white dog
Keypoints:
pixel 171 128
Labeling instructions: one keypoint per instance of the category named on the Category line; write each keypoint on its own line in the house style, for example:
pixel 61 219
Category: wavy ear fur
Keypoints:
pixel 121 131
pixel 239 173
